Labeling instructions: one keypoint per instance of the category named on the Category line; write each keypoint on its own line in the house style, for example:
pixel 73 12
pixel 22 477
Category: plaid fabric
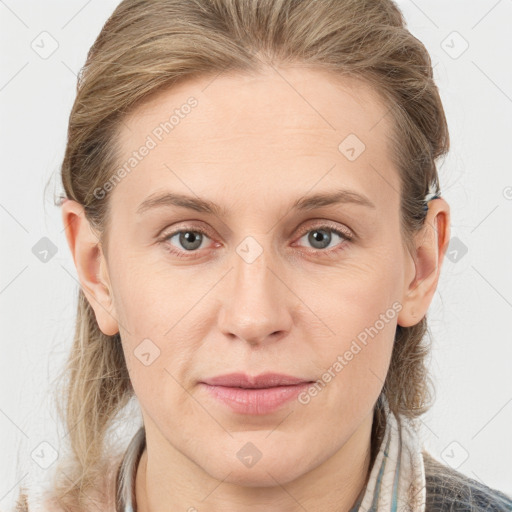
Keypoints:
pixel 397 477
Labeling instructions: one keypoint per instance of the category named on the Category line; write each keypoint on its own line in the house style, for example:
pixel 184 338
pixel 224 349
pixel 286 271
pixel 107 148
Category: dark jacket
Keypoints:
pixel 450 490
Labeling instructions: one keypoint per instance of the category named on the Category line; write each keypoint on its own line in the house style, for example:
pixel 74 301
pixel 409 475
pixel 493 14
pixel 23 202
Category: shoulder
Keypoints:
pixel 450 490
pixel 41 496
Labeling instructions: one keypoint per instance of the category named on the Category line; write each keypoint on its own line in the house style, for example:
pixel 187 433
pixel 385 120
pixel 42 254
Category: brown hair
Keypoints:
pixel 146 46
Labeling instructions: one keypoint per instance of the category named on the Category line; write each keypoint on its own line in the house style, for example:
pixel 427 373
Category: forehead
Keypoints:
pixel 285 127
pixel 295 97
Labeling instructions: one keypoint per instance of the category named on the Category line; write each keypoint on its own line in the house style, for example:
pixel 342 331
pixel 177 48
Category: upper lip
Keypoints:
pixel 264 380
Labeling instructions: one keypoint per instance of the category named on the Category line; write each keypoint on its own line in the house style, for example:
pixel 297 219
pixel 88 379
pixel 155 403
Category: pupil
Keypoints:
pixel 319 236
pixel 189 237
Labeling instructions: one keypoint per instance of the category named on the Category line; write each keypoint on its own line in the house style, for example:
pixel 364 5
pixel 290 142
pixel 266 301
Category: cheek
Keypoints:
pixel 356 351
pixel 157 334
pixel 160 375
pixel 357 299
pixel 148 303
pixel 352 380
pixel 357 360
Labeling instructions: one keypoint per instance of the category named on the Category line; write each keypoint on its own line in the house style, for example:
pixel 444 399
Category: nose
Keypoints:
pixel 258 304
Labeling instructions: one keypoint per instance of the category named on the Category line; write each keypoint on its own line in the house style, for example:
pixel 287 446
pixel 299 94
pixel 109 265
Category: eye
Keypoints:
pixel 188 240
pixel 321 237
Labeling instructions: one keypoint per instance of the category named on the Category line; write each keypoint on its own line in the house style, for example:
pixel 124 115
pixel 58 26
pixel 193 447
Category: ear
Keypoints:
pixel 90 264
pixel 431 243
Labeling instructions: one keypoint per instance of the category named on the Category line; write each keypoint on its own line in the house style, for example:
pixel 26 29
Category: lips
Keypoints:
pixel 264 380
pixel 256 395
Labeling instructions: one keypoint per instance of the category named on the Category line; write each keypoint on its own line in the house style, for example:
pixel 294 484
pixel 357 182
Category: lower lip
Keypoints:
pixel 255 401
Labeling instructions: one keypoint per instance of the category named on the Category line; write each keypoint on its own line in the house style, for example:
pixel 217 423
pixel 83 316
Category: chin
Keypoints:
pixel 263 476
pixel 251 468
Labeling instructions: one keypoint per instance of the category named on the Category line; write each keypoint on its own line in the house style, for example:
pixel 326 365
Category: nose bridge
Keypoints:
pixel 256 306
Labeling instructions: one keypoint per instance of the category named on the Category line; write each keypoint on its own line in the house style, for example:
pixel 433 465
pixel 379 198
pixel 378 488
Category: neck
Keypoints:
pixel 166 483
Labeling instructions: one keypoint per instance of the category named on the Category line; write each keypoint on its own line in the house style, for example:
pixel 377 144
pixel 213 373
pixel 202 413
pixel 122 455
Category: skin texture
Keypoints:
pixel 254 144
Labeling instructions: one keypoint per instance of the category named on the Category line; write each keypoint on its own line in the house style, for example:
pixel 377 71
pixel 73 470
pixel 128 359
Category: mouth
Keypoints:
pixel 257 395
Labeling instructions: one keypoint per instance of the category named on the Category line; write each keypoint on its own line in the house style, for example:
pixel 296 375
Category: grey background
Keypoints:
pixel 469 426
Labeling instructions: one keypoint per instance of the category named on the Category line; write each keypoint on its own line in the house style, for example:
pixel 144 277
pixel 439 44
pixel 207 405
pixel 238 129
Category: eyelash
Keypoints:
pixel 180 254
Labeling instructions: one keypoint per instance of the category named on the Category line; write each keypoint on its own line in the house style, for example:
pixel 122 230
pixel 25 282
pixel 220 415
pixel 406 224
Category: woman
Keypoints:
pixel 253 208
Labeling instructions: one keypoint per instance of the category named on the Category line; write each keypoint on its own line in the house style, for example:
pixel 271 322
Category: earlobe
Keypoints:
pixel 90 264
pixel 431 244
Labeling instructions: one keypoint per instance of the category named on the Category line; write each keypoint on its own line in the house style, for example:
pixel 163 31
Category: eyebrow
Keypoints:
pixel 167 199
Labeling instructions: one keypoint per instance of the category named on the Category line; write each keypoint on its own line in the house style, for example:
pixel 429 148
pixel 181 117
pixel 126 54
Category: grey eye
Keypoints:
pixel 188 239
pixel 320 238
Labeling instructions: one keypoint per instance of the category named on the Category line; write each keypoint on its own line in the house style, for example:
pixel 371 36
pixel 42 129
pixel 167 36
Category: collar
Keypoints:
pixel 397 477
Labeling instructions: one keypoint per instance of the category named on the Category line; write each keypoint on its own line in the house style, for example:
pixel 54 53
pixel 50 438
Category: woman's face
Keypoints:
pixel 260 284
